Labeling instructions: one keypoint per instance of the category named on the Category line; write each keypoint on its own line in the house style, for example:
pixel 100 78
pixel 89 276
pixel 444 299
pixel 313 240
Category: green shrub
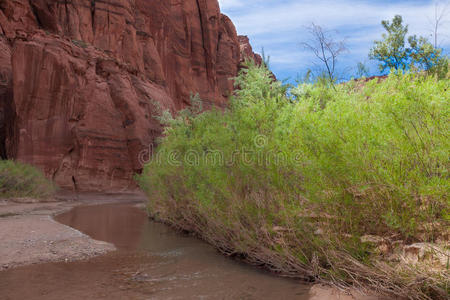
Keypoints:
pixel 21 180
pixel 294 180
pixel 80 43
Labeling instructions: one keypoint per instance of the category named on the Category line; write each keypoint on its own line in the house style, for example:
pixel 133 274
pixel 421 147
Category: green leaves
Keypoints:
pixel 425 57
pixel 393 53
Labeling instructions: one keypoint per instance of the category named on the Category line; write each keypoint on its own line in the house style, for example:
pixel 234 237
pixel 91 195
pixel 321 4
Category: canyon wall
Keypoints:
pixel 81 80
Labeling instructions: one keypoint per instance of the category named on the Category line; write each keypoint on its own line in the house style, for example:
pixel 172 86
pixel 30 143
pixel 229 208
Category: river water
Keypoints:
pixel 152 262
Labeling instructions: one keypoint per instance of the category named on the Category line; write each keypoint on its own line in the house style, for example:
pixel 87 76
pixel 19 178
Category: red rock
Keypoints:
pixel 247 50
pixel 79 80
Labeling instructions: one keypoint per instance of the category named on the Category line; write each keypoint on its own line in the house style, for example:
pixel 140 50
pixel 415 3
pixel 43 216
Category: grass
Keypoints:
pixel 18 180
pixel 293 178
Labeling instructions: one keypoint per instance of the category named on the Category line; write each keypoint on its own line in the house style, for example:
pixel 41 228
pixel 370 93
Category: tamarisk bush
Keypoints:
pixel 293 179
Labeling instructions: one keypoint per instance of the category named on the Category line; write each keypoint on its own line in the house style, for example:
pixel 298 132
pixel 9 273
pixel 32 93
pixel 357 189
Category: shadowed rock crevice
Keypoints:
pixel 35 13
pixel 7 122
pixel 3 117
pixel 9 130
pixel 93 15
pixel 2 132
pixel 7 113
pixel 44 15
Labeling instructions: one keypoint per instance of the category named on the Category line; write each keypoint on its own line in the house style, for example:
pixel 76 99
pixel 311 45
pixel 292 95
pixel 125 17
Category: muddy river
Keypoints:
pixel 152 262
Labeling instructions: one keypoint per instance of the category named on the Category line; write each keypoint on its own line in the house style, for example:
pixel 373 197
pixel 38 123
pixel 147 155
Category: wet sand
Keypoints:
pixel 29 234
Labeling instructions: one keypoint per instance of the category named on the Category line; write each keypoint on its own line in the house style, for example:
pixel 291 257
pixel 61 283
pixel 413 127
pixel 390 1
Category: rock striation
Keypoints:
pixel 81 80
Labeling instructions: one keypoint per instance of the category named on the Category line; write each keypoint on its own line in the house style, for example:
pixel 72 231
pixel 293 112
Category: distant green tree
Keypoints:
pixel 362 70
pixel 426 57
pixel 393 53
pixel 391 50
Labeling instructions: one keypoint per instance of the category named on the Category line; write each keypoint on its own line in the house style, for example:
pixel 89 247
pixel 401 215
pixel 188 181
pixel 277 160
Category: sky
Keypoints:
pixel 280 27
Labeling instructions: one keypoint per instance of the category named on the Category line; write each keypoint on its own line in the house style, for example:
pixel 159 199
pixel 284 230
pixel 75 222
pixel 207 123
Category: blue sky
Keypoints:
pixel 280 26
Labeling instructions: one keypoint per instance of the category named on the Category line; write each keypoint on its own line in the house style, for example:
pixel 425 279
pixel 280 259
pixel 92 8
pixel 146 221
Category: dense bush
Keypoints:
pixel 293 179
pixel 22 180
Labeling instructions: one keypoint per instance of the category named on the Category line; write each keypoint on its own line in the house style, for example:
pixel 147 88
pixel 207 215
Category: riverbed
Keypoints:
pixel 152 261
pixel 104 246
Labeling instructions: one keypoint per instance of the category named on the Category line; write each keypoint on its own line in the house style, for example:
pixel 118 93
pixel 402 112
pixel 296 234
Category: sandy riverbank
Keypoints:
pixel 30 235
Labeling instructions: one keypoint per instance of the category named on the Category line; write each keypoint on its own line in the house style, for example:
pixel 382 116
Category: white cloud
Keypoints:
pixel 230 4
pixel 279 25
pixel 286 16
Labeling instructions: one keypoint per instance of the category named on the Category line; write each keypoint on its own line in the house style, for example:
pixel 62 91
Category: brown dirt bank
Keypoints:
pixel 29 235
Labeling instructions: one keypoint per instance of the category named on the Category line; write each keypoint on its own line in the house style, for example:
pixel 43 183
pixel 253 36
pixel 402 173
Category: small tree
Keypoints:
pixel 326 49
pixel 421 54
pixel 391 50
pixel 362 70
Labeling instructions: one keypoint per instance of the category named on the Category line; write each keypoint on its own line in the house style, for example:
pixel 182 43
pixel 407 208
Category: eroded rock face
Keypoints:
pixel 247 50
pixel 80 80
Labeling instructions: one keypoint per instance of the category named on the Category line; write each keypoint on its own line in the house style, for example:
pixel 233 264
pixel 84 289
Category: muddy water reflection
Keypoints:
pixel 120 224
pixel 152 262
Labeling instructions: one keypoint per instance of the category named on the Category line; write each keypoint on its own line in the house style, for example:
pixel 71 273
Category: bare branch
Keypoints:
pixel 325 48
pixel 439 19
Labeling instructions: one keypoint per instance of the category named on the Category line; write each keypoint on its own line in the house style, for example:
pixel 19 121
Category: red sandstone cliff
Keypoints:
pixel 78 79
pixel 246 50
